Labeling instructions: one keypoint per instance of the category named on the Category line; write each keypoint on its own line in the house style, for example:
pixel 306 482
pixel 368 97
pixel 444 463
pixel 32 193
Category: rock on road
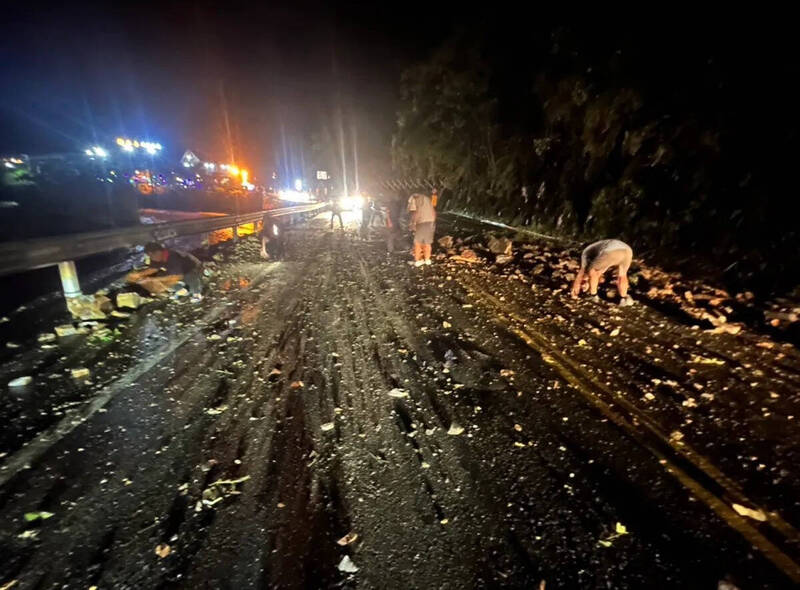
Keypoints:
pixel 341 419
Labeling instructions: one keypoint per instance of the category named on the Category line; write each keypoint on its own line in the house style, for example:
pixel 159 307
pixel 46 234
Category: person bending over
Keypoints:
pixel 597 258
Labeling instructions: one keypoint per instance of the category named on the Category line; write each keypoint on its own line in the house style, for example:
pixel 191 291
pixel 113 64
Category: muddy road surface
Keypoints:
pixel 341 419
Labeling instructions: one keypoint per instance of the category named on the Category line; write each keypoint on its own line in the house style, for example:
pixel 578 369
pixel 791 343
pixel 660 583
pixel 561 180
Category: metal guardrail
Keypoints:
pixel 40 252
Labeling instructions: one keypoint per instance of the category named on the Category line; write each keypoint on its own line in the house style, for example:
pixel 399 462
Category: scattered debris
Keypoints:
pixel 500 245
pixel 749 512
pixel 455 429
pixel 446 242
pixel 327 426
pixel 503 259
pixel 46 337
pixel 398 393
pixel 90 307
pixel 467 255
pixel 120 314
pixel 221 489
pixel 163 550
pixel 216 411
pixel 40 515
pixel 20 381
pixel 347 566
pixel 65 330
pixel 130 300
pixel 297 385
pixel 81 373
pixel 447 325
pixel 619 531
pixel 349 538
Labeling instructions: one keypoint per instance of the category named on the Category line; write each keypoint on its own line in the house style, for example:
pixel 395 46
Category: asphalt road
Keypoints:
pixel 441 427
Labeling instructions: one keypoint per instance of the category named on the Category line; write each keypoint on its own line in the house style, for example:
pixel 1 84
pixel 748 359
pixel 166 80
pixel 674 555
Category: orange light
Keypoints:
pixel 233 170
pixel 245 174
pixel 120 141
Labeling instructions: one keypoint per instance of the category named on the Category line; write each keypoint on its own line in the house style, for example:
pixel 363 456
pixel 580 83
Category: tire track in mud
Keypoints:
pixel 692 469
pixel 738 395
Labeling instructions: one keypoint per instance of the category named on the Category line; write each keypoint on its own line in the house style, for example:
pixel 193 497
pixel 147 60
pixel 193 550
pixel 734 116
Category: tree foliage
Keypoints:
pixel 609 153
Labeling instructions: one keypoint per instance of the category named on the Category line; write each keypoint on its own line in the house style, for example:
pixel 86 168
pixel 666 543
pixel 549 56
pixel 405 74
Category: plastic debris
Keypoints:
pixel 398 393
pixel 81 373
pixel 20 381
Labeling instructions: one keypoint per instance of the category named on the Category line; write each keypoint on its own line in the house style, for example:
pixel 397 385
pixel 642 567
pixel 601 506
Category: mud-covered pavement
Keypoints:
pixel 341 419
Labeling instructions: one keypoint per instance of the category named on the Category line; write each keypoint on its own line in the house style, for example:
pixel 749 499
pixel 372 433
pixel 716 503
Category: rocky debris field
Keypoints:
pixel 342 419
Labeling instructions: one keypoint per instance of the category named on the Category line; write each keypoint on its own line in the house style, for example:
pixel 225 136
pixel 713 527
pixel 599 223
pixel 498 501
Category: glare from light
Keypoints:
pixel 233 170
pixel 351 203
pixel 275 229
pixel 127 147
pixel 89 153
pixel 9 164
pixel 298 184
pixel 294 196
pixel 150 150
pixel 99 152
pixel 245 174
pixel 120 141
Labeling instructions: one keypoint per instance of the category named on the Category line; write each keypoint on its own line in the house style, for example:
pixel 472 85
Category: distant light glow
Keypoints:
pixel 245 174
pixel 129 145
pixel 294 196
pixel 89 152
pixel 298 184
pixel 352 202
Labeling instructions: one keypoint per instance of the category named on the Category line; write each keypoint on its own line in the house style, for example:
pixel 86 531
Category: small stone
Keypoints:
pixel 65 330
pixel 20 381
pixel 327 426
pixel 455 429
pixel 347 566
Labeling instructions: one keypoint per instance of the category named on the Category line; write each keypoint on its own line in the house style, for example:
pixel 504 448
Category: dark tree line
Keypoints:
pixel 683 145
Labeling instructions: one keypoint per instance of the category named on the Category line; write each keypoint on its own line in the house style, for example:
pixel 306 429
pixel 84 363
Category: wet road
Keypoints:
pixel 472 431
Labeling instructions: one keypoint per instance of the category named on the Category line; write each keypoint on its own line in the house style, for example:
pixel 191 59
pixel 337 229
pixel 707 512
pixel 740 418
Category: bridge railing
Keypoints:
pixel 63 250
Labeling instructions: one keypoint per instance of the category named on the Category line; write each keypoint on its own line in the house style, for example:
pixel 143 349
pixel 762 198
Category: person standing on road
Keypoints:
pixel 423 224
pixel 394 211
pixel 273 238
pixel 336 211
pixel 597 258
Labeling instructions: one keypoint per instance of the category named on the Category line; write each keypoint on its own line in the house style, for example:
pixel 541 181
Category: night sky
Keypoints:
pixel 75 74
pixel 78 74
